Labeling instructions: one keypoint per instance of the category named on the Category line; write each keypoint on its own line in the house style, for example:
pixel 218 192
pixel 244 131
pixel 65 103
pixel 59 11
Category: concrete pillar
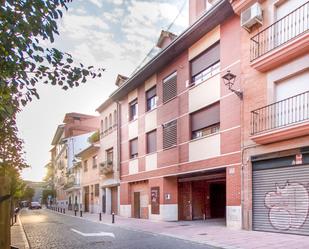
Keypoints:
pixel 5 231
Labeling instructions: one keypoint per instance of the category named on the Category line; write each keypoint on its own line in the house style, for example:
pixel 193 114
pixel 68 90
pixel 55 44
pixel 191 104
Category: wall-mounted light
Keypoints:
pixel 229 80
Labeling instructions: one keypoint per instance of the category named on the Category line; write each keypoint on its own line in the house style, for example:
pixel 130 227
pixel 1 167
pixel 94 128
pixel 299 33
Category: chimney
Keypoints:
pixel 120 80
pixel 165 39
pixel 196 9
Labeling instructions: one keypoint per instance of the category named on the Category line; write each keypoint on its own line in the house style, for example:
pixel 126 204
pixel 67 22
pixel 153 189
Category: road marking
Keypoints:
pixel 93 234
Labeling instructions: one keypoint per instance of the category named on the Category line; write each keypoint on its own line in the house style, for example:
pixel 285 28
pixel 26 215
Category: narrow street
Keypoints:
pixel 47 230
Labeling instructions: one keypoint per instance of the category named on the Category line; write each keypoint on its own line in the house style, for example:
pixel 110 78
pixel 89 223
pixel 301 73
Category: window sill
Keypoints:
pixel 193 85
pixel 151 153
pixel 132 120
pixel 149 111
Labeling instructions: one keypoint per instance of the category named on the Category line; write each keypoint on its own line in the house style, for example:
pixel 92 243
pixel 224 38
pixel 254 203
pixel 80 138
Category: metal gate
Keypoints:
pixel 280 199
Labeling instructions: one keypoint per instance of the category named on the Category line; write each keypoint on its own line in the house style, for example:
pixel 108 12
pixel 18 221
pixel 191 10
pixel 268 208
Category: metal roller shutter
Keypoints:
pixel 280 199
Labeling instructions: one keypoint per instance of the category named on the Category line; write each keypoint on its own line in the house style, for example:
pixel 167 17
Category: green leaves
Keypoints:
pixel 24 62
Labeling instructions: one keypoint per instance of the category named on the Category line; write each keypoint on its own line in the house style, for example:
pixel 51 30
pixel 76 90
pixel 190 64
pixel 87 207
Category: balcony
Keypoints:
pixel 107 167
pixel 72 183
pixel 284 40
pixel 285 119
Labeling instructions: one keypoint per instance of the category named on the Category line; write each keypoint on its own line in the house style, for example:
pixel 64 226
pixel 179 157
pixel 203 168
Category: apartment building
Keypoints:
pixel 109 154
pixel 180 125
pixel 69 139
pixel 275 125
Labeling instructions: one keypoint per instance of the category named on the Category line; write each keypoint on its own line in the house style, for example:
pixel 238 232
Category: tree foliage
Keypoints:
pixel 24 62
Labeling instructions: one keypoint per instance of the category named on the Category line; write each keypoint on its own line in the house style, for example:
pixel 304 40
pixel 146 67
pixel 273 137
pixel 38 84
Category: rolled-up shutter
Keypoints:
pixel 133 147
pixel 151 93
pixel 205 60
pixel 206 117
pixel 280 198
pixel 151 141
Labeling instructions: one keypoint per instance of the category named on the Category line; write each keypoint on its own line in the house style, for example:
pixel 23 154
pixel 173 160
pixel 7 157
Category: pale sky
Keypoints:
pixel 113 34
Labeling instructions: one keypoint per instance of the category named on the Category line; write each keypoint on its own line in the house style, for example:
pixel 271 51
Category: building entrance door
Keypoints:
pixel 137 205
pixel 114 200
pixel 86 199
pixel 185 197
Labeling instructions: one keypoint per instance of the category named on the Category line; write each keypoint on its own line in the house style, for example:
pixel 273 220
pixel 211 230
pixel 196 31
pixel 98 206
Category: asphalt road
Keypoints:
pixel 45 230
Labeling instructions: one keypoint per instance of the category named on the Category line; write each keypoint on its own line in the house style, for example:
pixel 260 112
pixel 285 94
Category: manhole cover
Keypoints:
pixel 184 225
pixel 202 234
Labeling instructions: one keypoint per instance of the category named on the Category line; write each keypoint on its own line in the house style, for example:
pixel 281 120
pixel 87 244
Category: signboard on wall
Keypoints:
pixel 155 200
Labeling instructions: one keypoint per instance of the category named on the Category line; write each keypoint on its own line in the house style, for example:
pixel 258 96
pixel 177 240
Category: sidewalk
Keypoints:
pixel 211 232
pixel 18 237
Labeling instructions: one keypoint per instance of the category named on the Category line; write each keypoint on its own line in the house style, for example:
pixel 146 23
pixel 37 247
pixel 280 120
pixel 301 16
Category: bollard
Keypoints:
pixel 81 213
pixel 100 216
pixel 113 217
pixel 75 211
pixel 15 218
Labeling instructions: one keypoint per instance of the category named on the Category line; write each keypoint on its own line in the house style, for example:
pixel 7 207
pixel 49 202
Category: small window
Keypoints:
pixel 96 190
pixel 94 162
pixel 102 126
pixel 109 155
pixel 134 148
pixel 133 110
pixel 110 121
pixel 151 141
pixel 206 121
pixel 151 99
pixel 106 124
pixel 115 118
pixel 170 87
pixel 85 166
pixel 170 134
pixel 206 65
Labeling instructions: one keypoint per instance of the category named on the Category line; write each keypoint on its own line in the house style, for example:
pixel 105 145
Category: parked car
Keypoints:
pixel 35 205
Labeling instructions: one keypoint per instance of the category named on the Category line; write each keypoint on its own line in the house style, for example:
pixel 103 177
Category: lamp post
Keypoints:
pixel 229 80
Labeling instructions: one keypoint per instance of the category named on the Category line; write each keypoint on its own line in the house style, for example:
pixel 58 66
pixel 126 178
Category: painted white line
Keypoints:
pixel 93 234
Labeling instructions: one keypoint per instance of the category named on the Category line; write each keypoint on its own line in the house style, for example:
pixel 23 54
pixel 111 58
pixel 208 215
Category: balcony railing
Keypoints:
pixel 280 32
pixel 283 113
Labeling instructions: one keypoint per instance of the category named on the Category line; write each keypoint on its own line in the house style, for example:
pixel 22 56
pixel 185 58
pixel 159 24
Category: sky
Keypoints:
pixel 112 34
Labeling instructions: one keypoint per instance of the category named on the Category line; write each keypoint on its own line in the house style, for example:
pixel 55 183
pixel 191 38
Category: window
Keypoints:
pixel 85 166
pixel 109 155
pixel 115 118
pixel 110 121
pixel 206 65
pixel 133 110
pixel 102 126
pixel 96 189
pixel 133 148
pixel 94 162
pixel 106 125
pixel 170 134
pixel 170 87
pixel 206 121
pixel 151 141
pixel 151 98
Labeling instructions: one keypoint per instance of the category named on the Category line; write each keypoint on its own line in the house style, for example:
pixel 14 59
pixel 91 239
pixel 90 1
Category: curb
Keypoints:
pixel 25 238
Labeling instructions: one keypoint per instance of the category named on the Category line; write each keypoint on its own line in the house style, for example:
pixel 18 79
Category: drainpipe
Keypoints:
pixel 118 139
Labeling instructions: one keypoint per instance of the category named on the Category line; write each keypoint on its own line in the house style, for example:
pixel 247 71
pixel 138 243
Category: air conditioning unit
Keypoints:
pixel 251 16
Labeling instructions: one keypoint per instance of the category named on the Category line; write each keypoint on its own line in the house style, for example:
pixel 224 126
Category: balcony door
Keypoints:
pixel 292 97
pixel 291 20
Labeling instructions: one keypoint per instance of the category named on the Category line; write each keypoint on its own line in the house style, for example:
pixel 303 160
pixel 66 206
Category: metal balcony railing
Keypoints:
pixel 107 167
pixel 280 32
pixel 280 114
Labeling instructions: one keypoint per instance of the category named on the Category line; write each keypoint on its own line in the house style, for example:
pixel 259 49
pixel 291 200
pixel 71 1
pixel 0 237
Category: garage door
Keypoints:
pixel 281 200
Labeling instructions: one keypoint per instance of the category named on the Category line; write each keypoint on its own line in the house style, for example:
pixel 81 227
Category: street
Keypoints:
pixel 45 229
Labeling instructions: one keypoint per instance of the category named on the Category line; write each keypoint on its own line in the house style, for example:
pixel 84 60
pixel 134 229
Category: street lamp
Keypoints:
pixel 229 80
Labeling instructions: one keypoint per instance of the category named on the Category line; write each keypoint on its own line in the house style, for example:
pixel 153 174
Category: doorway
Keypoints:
pixel 114 200
pixel 217 199
pixel 86 199
pixel 137 206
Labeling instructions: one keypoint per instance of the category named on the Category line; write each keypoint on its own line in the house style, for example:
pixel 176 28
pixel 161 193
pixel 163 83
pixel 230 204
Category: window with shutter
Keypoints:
pixel 133 148
pixel 151 99
pixel 133 110
pixel 205 121
pixel 170 87
pixel 152 141
pixel 170 134
pixel 206 65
